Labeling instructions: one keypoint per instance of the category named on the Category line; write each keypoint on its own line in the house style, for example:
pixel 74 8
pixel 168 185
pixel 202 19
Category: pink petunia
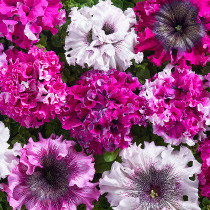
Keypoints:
pixel 22 21
pixel 32 90
pixel 52 175
pixel 175 30
pixel 179 105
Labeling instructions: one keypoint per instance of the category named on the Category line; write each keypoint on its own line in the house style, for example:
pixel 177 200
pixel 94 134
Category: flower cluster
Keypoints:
pixel 101 109
pixel 179 105
pixel 32 90
pixel 107 110
pixel 152 178
pixel 102 37
pixel 8 159
pixel 51 174
pixel 175 30
pixel 22 21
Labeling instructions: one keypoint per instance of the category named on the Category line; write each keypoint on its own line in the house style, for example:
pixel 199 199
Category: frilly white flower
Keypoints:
pixel 155 178
pixel 8 159
pixel 102 37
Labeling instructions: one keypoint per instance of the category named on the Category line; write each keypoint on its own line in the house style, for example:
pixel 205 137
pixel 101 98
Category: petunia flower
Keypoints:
pixel 101 109
pixel 22 21
pixel 175 30
pixel 204 176
pixel 8 159
pixel 32 90
pixel 155 178
pixel 179 105
pixel 52 175
pixel 102 37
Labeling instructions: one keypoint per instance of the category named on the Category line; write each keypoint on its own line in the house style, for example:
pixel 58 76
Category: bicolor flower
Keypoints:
pixel 101 109
pixel 32 90
pixel 52 175
pixel 155 177
pixel 179 105
pixel 102 37
pixel 175 30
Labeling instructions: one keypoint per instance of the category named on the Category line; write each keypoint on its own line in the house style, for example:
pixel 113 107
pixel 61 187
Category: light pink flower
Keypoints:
pixel 8 159
pixel 153 178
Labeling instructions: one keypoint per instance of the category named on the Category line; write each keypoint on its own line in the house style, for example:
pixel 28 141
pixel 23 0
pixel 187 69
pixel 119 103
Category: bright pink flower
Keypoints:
pixel 176 30
pixel 52 175
pixel 179 105
pixel 32 90
pixel 22 21
pixel 204 176
pixel 101 109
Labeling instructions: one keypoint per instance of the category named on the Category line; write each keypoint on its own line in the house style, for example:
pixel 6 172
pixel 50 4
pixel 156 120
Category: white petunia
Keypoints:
pixel 8 159
pixel 102 37
pixel 155 177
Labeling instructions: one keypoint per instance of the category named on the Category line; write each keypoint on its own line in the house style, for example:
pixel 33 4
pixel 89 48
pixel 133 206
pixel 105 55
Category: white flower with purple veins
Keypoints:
pixel 153 178
pixel 102 37
pixel 8 159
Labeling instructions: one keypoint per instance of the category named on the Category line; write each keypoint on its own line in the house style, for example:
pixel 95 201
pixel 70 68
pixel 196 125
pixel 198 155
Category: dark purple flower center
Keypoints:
pixel 108 29
pixel 89 36
pixel 157 189
pixel 177 26
pixel 51 181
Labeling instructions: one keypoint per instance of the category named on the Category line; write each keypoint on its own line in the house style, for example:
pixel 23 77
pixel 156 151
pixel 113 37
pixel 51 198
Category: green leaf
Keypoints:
pixel 127 5
pixel 206 201
pixel 143 72
pixel 42 41
pixel 205 70
pixel 110 156
pixel 56 41
pixel 100 168
pixel 118 3
pixel 101 165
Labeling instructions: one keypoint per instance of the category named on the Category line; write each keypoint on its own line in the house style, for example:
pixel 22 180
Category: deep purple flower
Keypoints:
pixel 101 109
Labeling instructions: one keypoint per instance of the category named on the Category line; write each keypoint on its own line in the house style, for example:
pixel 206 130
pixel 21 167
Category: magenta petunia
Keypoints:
pixel 52 175
pixel 22 21
pixel 101 108
pixel 32 91
pixel 179 105
pixel 204 176
pixel 176 30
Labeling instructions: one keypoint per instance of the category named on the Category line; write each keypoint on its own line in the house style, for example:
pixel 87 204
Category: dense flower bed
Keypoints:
pixel 104 104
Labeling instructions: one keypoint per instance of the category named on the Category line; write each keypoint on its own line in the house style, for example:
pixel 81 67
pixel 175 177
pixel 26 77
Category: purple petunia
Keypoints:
pixel 101 108
pixel 52 175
